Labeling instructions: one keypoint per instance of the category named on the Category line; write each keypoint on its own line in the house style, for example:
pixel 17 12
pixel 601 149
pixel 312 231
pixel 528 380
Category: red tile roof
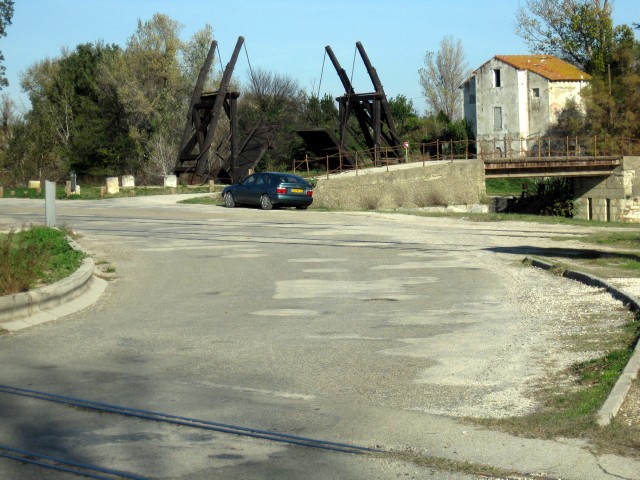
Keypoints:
pixel 547 66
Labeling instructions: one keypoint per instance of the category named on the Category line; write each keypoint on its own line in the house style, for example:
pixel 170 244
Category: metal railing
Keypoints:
pixel 487 150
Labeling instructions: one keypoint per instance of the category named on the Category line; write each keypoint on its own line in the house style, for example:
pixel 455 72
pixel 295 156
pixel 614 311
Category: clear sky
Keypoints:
pixel 285 36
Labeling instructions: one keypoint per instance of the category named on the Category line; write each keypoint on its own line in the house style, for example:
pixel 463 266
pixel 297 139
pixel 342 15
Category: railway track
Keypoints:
pixel 92 471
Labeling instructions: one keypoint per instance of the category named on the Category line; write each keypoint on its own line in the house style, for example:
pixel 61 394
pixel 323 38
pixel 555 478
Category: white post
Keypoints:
pixel 50 203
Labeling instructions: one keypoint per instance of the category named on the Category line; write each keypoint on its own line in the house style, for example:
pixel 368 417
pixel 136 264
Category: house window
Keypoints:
pixel 497 81
pixel 497 118
pixel 472 99
pixel 535 92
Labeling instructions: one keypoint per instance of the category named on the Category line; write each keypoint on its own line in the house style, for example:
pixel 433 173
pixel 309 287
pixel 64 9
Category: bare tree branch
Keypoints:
pixel 441 76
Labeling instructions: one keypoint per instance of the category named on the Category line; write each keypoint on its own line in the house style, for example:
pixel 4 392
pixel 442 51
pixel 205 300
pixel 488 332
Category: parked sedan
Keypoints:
pixel 270 189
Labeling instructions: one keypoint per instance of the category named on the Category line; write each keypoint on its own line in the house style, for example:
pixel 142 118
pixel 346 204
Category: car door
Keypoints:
pixel 242 193
pixel 259 187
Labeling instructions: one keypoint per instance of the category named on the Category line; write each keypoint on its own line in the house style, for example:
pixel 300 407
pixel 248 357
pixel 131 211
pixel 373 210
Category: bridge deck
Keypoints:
pixel 551 166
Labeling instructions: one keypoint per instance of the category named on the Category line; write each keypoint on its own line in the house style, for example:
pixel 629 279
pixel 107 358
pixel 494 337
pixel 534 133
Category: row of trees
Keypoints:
pixel 103 110
pixel 108 110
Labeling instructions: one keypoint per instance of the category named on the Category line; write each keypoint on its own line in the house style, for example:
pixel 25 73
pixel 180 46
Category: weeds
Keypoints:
pixel 571 411
pixel 21 263
pixel 37 255
pixel 430 198
pixel 370 202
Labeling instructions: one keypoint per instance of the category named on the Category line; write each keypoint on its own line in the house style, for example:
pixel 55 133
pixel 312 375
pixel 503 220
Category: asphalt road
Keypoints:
pixel 372 330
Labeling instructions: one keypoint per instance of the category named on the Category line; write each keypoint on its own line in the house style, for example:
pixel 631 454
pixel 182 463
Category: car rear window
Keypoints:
pixel 290 179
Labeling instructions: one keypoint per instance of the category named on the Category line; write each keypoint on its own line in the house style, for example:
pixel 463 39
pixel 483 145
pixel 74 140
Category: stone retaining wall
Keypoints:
pixel 439 183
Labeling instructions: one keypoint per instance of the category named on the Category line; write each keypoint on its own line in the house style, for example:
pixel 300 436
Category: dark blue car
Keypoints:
pixel 270 189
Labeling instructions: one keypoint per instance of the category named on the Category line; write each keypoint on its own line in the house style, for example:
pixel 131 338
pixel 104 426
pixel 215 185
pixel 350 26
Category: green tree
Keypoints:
pixel 8 120
pixel 441 77
pixel 33 151
pixel 578 31
pixel 321 112
pixel 613 107
pixel 110 111
pixel 194 52
pixel 68 100
pixel 278 100
pixel 152 84
pixel 6 14
pixel 405 116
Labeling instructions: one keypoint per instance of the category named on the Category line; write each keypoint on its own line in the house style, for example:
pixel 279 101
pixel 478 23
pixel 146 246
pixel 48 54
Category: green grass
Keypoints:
pixel 624 257
pixel 571 412
pixel 94 193
pixel 39 255
pixel 507 187
pixel 206 200
pixel 517 217
pixel 617 239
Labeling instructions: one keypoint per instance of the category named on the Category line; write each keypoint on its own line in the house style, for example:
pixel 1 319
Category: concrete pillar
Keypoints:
pixel 128 181
pixel 170 181
pixel 113 185
pixel 50 203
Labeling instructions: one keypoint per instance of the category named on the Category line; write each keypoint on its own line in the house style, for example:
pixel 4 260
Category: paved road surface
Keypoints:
pixel 367 329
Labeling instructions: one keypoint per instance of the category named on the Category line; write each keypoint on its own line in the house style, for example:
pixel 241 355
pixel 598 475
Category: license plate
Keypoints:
pixel 297 190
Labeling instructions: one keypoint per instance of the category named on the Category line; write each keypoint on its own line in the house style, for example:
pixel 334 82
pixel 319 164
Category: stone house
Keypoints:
pixel 511 100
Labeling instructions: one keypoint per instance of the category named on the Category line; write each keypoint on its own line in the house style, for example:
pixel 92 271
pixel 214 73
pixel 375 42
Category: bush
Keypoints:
pixel 29 257
pixel 551 197
pixel 433 197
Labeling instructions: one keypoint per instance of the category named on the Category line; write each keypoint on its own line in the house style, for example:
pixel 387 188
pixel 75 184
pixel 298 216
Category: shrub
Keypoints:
pixel 430 198
pixel 39 254
pixel 21 263
pixel 552 197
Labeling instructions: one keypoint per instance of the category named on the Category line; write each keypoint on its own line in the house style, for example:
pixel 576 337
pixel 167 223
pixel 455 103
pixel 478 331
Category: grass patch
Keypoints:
pixel 206 200
pixel 508 187
pixel 94 193
pixel 616 239
pixel 623 260
pixel 518 217
pixel 36 256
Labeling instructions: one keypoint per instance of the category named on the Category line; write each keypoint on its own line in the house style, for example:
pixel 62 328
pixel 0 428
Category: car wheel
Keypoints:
pixel 229 202
pixel 265 202
pixel 301 207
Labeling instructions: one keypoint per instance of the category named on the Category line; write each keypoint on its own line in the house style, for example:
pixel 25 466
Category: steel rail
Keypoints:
pixel 67 466
pixel 190 422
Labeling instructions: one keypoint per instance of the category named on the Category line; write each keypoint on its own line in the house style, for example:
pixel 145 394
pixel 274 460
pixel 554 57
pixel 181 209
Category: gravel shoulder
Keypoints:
pixel 562 321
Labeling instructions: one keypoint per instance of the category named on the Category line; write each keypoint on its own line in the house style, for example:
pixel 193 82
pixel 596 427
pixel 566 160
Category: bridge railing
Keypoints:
pixel 556 147
pixel 506 148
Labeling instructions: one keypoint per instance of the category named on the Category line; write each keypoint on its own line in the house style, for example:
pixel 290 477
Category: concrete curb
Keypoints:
pixel 21 310
pixel 619 391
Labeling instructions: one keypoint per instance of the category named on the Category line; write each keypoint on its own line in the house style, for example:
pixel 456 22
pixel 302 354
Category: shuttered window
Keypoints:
pixel 497 118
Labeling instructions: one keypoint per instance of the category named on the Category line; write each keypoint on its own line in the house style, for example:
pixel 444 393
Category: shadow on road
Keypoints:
pixel 568 253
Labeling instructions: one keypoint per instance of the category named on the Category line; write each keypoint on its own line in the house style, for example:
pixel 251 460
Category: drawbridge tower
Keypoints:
pixel 198 160
pixel 373 116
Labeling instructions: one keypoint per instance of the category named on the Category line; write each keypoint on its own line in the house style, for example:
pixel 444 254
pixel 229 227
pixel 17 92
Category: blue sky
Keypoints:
pixel 285 36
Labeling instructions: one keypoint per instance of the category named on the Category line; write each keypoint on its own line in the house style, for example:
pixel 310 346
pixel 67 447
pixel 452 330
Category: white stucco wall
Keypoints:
pixel 526 113
pixel 539 113
pixel 560 93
